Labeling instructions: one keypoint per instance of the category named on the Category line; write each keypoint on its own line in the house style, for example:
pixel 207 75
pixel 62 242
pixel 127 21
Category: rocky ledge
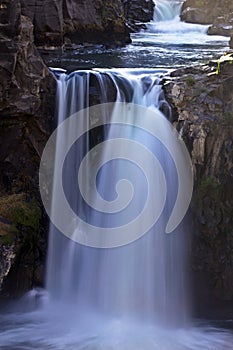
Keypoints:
pixel 202 103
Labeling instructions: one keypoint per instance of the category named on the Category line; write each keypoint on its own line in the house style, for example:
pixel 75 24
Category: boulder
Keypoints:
pixel 203 12
pixel 223 25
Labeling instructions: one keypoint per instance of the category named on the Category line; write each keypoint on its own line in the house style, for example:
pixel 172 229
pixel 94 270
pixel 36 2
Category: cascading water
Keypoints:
pixel 166 10
pixel 145 278
pixel 167 21
pixel 173 41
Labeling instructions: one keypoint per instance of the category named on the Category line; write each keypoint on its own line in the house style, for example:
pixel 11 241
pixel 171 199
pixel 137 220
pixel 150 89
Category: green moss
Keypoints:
pixel 8 238
pixel 27 214
pixel 19 210
pixel 209 187
pixel 190 81
pixel 8 234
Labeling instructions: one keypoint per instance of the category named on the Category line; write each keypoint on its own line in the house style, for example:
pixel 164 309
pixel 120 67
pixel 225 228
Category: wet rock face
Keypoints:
pixel 69 23
pixel 204 12
pixel 100 22
pixel 47 19
pixel 202 102
pixel 27 95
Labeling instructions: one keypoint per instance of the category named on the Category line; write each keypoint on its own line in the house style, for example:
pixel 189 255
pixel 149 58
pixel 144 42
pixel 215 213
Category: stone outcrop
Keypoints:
pixel 68 23
pixel 100 22
pixel 219 15
pixel 202 102
pixel 203 12
pixel 223 25
pixel 26 111
pixel 138 12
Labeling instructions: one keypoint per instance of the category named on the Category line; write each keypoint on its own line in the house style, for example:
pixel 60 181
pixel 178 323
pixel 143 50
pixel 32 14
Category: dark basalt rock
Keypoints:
pixel 202 101
pixel 47 18
pixel 96 22
pixel 27 96
pixel 65 24
pixel 138 12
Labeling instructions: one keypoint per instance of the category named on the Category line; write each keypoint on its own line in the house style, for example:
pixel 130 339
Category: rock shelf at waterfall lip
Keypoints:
pixel 133 70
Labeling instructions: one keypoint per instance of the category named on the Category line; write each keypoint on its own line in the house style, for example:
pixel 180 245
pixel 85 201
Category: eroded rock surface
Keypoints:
pixel 138 12
pixel 66 24
pixel 27 91
pixel 202 102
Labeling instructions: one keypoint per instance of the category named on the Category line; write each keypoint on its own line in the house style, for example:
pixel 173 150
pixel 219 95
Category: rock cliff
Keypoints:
pixel 67 23
pixel 202 102
pixel 26 111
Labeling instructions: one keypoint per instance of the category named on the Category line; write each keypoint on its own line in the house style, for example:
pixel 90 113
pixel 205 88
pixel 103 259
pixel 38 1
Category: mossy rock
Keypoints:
pixel 190 81
pixel 16 211
pixel 209 187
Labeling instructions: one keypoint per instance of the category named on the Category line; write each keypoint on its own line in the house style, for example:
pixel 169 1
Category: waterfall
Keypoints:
pixel 144 280
pixel 167 22
pixel 166 10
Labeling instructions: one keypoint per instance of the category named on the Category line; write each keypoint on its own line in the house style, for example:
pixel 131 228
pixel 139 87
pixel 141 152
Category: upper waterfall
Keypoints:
pixel 166 10
pixel 168 28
